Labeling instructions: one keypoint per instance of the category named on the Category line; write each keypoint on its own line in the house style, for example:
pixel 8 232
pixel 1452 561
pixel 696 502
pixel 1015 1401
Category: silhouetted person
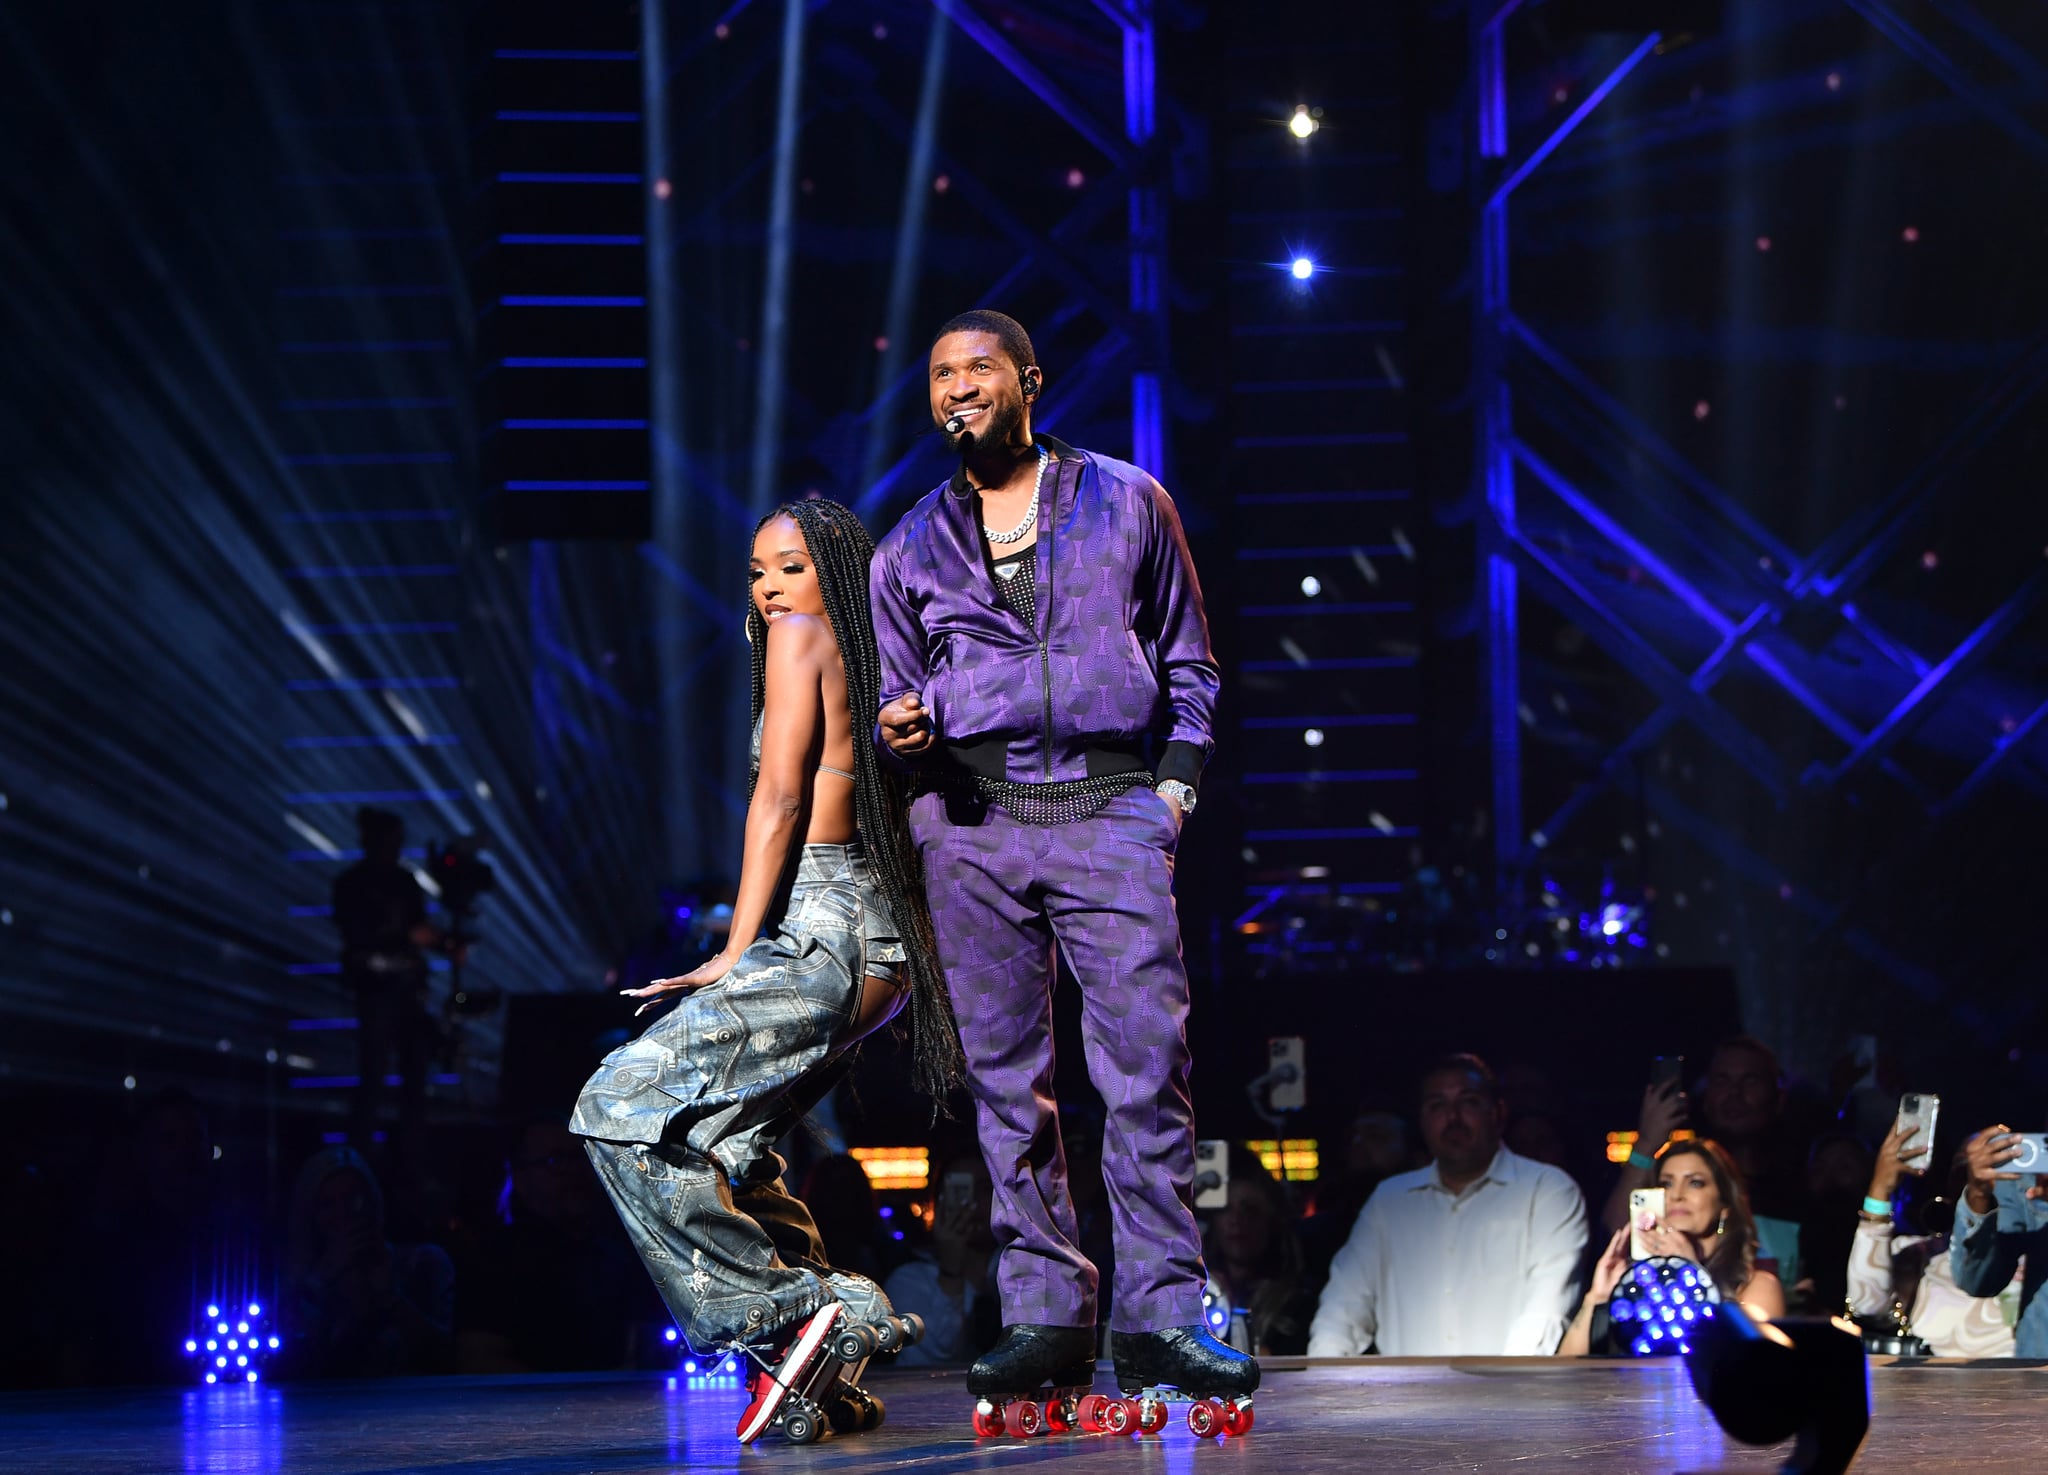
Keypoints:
pixel 357 1305
pixel 952 1285
pixel 1255 1259
pixel 555 1286
pixel 381 913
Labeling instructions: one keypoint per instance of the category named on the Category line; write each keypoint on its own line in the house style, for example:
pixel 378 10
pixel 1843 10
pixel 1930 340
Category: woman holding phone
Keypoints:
pixel 1706 1220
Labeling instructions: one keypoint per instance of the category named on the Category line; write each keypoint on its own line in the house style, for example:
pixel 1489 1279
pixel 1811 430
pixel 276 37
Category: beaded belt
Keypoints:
pixel 1058 803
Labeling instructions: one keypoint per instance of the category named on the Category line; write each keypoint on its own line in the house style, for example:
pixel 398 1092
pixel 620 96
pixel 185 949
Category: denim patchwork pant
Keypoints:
pixel 1002 894
pixel 682 1121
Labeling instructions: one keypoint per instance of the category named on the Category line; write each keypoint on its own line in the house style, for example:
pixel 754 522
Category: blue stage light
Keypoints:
pixel 886 1212
pixel 273 1344
pixel 190 1345
pixel 1303 268
pixel 222 1328
pixel 252 1374
pixel 690 1366
pixel 221 1361
pixel 233 1345
pixel 213 1310
pixel 254 1309
pixel 242 1326
pixel 241 1362
pixel 211 1378
pixel 212 1345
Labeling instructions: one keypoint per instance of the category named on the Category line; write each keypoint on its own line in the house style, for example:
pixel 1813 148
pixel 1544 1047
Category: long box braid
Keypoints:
pixel 841 550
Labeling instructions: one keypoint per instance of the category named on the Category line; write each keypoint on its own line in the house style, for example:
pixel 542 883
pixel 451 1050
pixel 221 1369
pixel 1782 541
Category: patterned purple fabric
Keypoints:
pixel 1002 893
pixel 1121 648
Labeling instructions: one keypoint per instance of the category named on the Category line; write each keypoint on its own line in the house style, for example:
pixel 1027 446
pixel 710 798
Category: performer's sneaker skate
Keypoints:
pixel 1006 1381
pixel 1185 1365
pixel 782 1393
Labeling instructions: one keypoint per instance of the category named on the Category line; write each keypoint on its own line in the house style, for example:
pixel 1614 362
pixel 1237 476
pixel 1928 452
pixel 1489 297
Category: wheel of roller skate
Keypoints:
pixel 1057 1418
pixel 987 1425
pixel 1237 1418
pixel 1088 1413
pixel 854 1343
pixel 910 1326
pixel 844 1413
pixel 1151 1415
pixel 1205 1418
pixel 1118 1416
pixel 1021 1419
pixel 872 1412
pixel 802 1426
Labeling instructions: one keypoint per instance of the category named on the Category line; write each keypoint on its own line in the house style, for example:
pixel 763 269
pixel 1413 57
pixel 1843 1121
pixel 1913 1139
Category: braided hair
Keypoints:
pixel 841 551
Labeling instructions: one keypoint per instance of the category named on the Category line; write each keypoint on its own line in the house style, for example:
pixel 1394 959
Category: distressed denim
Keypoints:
pixel 682 1121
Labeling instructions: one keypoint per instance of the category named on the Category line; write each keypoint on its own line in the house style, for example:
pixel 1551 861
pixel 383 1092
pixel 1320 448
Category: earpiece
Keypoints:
pixel 1028 382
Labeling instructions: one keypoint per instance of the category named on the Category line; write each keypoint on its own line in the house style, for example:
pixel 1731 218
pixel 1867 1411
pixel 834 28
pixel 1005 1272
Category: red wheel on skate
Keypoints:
pixel 1205 1418
pixel 987 1426
pixel 1151 1416
pixel 1056 1420
pixel 1118 1416
pixel 1021 1419
pixel 1088 1413
pixel 1237 1418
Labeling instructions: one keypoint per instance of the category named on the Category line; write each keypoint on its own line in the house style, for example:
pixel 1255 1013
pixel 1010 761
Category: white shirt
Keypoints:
pixel 1483 1273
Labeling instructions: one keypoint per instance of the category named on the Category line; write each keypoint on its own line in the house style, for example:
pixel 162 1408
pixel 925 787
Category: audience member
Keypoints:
pixel 1838 1168
pixel 952 1284
pixel 1472 1256
pixel 1374 1148
pixel 1255 1261
pixel 164 1222
pixel 1707 1220
pixel 1894 1278
pixel 1743 1107
pixel 356 1304
pixel 842 1204
pixel 555 1285
pixel 1081 1136
pixel 1999 1220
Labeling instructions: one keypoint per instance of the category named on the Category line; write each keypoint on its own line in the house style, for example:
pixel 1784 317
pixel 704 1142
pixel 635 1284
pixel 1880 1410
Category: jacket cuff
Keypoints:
pixel 1182 762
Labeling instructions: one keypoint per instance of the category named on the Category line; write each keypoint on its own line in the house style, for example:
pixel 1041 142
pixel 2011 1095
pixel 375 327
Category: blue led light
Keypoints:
pixel 273 1344
pixel 886 1212
pixel 254 1309
pixel 222 1329
pixel 213 1310
pixel 669 1335
pixel 212 1345
pixel 1622 1310
pixel 190 1345
pixel 233 1345
pixel 211 1378
pixel 1302 268
pixel 690 1366
pixel 1641 1347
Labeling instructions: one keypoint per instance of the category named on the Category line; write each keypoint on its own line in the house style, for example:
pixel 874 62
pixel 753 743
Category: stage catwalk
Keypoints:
pixel 1522 1415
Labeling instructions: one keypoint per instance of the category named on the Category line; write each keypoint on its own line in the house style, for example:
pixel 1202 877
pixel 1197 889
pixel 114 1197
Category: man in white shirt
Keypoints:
pixel 1472 1256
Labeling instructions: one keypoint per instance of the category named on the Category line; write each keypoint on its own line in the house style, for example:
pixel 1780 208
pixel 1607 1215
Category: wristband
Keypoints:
pixel 1637 1160
pixel 1877 1207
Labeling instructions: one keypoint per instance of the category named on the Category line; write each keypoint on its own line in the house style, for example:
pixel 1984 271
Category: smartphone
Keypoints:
pixel 1212 1174
pixel 2033 1153
pixel 957 1191
pixel 1918 1109
pixel 1642 1201
pixel 1665 1069
pixel 1290 1090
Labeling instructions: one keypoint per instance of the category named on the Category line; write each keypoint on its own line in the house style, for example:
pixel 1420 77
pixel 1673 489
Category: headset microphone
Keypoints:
pixel 955 425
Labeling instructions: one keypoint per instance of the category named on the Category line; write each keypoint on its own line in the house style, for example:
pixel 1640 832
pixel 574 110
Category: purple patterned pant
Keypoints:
pixel 1001 895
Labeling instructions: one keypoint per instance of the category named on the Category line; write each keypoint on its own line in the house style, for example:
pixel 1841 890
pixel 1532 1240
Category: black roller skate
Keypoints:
pixel 1182 1365
pixel 1009 1379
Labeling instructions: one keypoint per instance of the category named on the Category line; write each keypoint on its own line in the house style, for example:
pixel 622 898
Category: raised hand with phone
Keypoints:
pixel 2002 1219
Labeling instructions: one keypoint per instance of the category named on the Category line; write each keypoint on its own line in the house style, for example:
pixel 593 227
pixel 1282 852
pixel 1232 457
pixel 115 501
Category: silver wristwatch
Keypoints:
pixel 1180 793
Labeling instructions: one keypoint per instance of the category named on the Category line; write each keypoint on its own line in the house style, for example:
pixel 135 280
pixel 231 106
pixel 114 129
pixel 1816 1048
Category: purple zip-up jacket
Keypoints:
pixel 1121 652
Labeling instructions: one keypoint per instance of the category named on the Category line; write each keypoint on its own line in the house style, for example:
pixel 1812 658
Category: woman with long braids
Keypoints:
pixel 830 939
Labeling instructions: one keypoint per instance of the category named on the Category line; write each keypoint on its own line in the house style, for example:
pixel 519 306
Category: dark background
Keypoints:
pixel 1802 268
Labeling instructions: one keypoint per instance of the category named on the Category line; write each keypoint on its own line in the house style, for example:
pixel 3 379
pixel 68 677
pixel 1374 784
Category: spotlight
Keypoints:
pixel 1764 1382
pixel 1303 123
pixel 1303 268
pixel 1311 586
pixel 1659 1304
pixel 1313 737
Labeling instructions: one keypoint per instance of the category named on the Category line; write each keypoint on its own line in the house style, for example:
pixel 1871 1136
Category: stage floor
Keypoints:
pixel 1524 1415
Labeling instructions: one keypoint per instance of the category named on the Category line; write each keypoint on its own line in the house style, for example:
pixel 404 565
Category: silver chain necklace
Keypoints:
pixel 1030 513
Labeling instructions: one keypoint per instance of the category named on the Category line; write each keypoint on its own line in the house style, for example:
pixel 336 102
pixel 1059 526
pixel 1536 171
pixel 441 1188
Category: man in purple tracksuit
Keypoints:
pixel 1041 633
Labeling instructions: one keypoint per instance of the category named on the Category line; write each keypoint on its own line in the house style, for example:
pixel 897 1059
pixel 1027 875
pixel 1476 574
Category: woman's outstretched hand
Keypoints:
pixel 1613 1265
pixel 710 970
